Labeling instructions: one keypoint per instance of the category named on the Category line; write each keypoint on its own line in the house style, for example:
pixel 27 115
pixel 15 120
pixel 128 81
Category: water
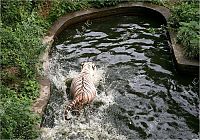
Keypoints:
pixel 140 94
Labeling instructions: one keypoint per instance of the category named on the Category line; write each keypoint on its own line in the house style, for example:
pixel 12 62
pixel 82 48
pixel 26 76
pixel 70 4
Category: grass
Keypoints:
pixel 21 33
pixel 185 21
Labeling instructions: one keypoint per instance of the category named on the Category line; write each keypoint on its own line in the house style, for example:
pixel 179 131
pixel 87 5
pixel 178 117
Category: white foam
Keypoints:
pixel 72 74
pixel 79 127
pixel 58 75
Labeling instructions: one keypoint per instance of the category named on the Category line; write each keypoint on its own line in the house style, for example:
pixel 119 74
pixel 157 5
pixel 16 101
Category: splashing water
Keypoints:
pixel 80 127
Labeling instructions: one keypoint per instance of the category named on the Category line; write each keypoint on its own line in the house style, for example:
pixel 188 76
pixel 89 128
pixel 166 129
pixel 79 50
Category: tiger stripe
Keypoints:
pixel 82 88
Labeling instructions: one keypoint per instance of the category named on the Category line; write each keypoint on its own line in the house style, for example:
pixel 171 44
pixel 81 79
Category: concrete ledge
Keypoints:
pixel 40 103
pixel 182 63
pixel 138 8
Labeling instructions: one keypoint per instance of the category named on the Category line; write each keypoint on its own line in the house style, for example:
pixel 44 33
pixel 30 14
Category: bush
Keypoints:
pixel 185 21
pixel 17 121
pixel 30 89
pixel 184 12
pixel 21 46
pixel 60 7
pixel 104 3
pixel 21 33
pixel 11 11
pixel 189 35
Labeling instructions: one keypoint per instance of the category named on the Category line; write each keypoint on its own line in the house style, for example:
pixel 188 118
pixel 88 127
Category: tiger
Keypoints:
pixel 82 88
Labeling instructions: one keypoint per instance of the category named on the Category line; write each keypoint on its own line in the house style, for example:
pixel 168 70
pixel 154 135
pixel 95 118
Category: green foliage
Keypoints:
pixel 30 89
pixel 11 11
pixel 17 121
pixel 185 19
pixel 21 33
pixel 184 12
pixel 8 41
pixel 189 35
pixel 60 7
pixel 104 3
pixel 157 2
pixel 21 46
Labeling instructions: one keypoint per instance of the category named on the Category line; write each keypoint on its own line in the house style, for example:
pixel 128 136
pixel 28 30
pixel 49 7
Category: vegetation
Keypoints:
pixel 21 32
pixel 185 21
pixel 104 3
pixel 60 7
pixel 16 119
pixel 188 35
pixel 23 24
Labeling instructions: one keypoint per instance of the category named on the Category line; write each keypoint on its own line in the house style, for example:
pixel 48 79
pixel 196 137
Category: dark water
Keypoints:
pixel 147 98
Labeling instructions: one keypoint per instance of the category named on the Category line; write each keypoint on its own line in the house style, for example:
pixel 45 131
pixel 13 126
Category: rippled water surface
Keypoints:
pixel 140 94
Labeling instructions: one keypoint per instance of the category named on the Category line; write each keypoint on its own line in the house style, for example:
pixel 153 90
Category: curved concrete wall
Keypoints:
pixel 159 13
pixel 145 9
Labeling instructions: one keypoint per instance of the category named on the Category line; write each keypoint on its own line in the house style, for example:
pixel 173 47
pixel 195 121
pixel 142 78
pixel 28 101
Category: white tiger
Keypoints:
pixel 82 88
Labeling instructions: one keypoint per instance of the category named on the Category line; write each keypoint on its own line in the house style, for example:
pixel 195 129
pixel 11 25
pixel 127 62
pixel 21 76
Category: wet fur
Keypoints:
pixel 82 88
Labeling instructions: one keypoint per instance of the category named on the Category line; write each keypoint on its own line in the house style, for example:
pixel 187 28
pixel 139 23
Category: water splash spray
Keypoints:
pixel 79 127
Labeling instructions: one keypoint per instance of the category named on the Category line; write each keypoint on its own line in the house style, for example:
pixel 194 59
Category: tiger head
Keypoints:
pixel 88 67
